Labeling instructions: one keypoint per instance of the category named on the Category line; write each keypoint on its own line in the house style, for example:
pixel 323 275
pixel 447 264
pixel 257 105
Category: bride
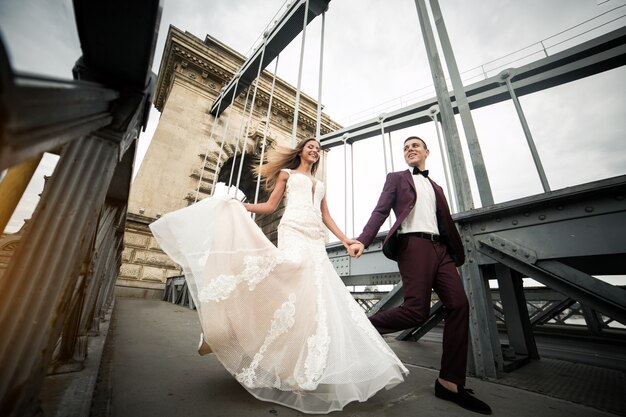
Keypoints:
pixel 280 320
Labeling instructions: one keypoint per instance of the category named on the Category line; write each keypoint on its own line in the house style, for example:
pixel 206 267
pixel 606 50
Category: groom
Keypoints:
pixel 427 246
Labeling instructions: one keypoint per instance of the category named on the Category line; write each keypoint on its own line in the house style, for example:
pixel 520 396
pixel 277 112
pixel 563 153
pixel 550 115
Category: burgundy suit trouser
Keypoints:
pixel 425 266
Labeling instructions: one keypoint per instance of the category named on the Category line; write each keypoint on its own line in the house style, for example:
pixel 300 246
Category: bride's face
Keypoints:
pixel 311 152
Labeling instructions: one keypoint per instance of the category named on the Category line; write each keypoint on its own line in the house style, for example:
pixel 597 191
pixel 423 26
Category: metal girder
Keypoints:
pixel 594 56
pixel 593 320
pixel 46 266
pixel 288 26
pixel 41 114
pixel 582 226
pixel 96 121
pixel 537 294
pixel 392 299
pixel 372 268
pixel 517 320
pixel 118 40
pixel 177 292
pixel 599 295
pixel 552 310
pixel 485 354
pixel 434 318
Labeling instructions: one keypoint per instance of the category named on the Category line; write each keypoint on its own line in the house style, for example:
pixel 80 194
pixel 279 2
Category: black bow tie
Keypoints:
pixel 416 171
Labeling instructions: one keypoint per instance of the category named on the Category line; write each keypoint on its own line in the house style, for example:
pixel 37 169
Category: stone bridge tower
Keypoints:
pixel 191 74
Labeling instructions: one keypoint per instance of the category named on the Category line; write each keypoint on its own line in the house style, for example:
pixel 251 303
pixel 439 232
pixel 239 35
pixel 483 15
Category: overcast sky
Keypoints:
pixel 375 62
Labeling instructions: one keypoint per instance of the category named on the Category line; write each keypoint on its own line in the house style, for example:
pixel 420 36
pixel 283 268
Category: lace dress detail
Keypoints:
pixel 283 320
pixel 279 319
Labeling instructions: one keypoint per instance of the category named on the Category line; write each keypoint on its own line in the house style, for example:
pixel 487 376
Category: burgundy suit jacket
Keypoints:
pixel 400 195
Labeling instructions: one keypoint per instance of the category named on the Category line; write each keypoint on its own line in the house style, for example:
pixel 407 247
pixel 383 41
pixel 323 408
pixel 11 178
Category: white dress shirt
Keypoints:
pixel 423 216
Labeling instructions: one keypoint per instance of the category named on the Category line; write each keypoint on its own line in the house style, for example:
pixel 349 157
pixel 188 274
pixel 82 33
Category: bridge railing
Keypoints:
pixel 59 280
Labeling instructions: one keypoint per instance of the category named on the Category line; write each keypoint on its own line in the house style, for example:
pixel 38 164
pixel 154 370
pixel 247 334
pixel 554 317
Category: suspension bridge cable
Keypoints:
pixel 267 123
pixel 381 118
pixel 243 116
pixel 434 111
pixel 297 105
pixel 390 151
pixel 206 152
pixel 224 134
pixel 352 179
pixel 319 84
pixel 345 183
pixel 256 86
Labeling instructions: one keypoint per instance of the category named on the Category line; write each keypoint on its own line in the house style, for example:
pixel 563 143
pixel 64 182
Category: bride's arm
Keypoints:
pixel 272 203
pixel 332 226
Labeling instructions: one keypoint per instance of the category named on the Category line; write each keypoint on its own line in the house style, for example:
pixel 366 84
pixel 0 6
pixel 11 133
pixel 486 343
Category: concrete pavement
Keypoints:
pixel 150 368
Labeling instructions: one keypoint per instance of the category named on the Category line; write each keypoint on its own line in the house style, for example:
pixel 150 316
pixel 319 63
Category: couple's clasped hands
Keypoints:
pixel 354 247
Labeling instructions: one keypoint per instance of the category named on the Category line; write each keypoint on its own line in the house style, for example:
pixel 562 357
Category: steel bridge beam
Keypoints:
pixel 583 226
pixel 63 271
pixel 594 56
pixel 288 26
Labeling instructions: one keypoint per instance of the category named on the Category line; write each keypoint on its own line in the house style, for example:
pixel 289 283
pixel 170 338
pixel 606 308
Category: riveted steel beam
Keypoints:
pixel 599 295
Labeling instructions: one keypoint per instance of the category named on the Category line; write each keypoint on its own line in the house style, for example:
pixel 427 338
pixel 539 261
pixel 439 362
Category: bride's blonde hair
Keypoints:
pixel 282 157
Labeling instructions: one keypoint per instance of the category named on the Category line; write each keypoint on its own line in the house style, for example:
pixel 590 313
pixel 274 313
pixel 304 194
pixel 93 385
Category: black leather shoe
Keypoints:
pixel 463 398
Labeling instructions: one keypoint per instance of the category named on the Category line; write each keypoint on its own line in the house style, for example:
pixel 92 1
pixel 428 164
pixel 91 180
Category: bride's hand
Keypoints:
pixel 356 249
pixel 346 244
pixel 349 242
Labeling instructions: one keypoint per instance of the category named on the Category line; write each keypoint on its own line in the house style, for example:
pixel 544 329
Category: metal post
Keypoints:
pixel 297 105
pixel 450 132
pixel 484 72
pixel 256 86
pixel 506 76
pixel 391 152
pixel 267 124
pixel 481 352
pixel 476 155
pixel 206 152
pixel 232 168
pixel 224 134
pixel 352 179
pixel 434 111
pixel 44 269
pixel 381 120
pixel 319 84
pixel 345 183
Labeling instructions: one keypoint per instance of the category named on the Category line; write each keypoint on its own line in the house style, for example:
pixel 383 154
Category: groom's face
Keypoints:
pixel 415 153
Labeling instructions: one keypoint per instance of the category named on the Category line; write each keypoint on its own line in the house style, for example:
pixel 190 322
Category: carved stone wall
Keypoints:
pixel 182 160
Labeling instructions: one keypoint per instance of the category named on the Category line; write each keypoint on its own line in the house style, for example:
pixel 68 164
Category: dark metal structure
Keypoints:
pixel 60 280
pixel 287 27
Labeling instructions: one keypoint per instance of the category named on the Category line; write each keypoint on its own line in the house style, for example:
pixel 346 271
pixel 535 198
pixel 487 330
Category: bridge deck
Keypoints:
pixel 150 368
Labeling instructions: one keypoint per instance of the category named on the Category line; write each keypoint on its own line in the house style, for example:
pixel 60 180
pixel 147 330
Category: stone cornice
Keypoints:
pixel 210 64
pixel 138 218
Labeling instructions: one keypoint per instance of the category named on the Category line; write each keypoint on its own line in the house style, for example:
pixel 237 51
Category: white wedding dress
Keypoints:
pixel 279 319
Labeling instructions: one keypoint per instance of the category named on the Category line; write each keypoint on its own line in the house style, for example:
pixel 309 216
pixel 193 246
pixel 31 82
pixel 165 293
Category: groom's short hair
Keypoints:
pixel 418 138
